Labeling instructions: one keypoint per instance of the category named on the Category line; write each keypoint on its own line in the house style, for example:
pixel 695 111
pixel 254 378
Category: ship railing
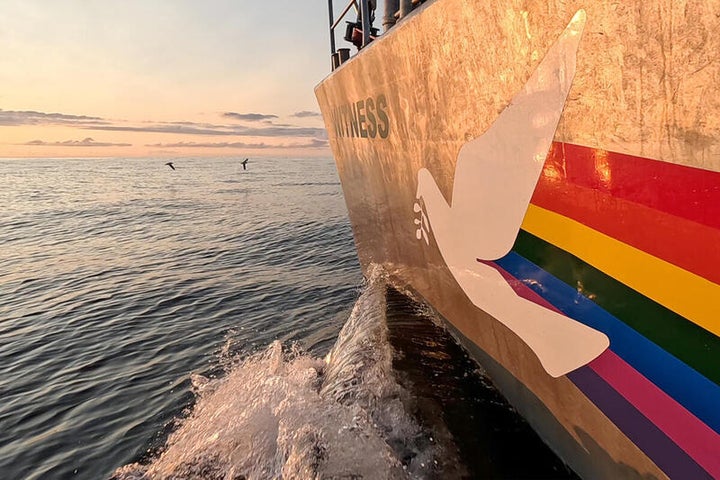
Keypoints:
pixel 361 32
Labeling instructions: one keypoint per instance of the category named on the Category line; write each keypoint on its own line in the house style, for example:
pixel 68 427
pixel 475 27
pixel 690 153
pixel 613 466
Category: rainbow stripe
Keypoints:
pixel 631 247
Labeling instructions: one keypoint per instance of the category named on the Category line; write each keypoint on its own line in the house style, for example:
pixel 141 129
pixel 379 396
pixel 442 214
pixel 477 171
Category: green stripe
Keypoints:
pixel 682 338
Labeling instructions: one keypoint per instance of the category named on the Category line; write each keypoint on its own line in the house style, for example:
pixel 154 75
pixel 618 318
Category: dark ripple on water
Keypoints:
pixel 119 278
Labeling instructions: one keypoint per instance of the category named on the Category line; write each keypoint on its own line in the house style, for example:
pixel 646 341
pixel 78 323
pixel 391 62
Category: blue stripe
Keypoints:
pixel 688 387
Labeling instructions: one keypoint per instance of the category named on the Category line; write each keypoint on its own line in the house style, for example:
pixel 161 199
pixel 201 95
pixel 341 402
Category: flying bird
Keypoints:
pixel 244 163
pixel 170 164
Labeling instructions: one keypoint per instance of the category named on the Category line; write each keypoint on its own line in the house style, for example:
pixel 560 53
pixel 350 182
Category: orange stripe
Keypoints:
pixel 686 244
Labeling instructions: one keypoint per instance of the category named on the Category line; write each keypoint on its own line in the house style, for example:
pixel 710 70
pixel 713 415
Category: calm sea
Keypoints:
pixel 211 322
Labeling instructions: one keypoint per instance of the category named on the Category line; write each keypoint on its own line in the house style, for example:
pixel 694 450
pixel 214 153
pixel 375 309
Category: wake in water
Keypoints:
pixel 288 415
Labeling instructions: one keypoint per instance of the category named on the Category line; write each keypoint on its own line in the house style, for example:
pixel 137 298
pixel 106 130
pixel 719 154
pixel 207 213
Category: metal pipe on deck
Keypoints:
pixel 405 7
pixel 391 7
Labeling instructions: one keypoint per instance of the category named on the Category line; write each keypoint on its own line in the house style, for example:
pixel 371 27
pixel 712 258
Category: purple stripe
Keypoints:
pixel 670 458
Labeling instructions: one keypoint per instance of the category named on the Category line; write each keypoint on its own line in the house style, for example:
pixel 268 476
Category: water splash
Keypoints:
pixel 284 414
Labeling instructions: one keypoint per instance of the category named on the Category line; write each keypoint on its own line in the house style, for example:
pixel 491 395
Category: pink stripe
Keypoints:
pixel 692 435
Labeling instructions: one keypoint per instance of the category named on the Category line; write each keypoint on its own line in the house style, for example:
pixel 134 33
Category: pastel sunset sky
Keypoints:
pixel 96 78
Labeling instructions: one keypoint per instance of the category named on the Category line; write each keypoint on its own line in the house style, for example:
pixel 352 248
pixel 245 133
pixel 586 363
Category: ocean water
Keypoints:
pixel 212 323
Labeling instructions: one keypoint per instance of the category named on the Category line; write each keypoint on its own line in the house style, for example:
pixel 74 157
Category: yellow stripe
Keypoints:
pixel 687 294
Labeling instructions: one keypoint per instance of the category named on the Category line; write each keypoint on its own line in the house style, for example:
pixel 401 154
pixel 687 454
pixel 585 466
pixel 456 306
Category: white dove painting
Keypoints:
pixel 496 174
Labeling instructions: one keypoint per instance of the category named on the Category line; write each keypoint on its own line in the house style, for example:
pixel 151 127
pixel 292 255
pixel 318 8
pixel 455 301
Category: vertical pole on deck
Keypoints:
pixel 332 30
pixel 365 16
pixel 391 7
pixel 405 7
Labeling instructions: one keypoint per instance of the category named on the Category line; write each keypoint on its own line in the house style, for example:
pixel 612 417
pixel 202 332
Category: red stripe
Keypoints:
pixel 687 192
pixel 682 242
pixel 687 431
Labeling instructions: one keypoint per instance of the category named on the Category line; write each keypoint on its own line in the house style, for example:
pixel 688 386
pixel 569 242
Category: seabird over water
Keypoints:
pixel 244 163
pixel 170 164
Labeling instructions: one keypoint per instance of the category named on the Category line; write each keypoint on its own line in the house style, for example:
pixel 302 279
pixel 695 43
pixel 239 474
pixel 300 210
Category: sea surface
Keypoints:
pixel 211 322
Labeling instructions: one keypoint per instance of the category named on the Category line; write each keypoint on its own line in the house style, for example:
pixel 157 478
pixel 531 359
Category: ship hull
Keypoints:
pixel 619 235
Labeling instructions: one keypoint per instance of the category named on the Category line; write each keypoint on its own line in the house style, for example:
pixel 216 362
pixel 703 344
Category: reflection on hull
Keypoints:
pixel 620 233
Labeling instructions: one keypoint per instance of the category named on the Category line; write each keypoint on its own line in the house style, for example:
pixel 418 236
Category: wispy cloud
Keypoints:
pixel 182 128
pixel 86 142
pixel 261 125
pixel 318 143
pixel 249 117
pixel 187 128
pixel 209 145
pixel 305 114
pixel 11 118
pixel 314 143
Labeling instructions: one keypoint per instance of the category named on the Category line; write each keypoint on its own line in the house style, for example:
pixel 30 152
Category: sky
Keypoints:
pixel 103 78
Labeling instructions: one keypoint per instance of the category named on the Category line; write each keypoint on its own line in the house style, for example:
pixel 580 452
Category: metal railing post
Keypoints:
pixel 363 22
pixel 365 17
pixel 332 27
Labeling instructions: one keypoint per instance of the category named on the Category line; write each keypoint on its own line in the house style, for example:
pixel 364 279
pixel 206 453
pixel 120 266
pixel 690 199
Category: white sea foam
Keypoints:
pixel 285 414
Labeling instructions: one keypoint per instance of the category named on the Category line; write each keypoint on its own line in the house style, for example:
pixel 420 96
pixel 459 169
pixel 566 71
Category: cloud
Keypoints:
pixel 263 126
pixel 249 117
pixel 314 143
pixel 11 118
pixel 86 142
pixel 319 142
pixel 182 128
pixel 209 145
pixel 188 128
pixel 305 114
